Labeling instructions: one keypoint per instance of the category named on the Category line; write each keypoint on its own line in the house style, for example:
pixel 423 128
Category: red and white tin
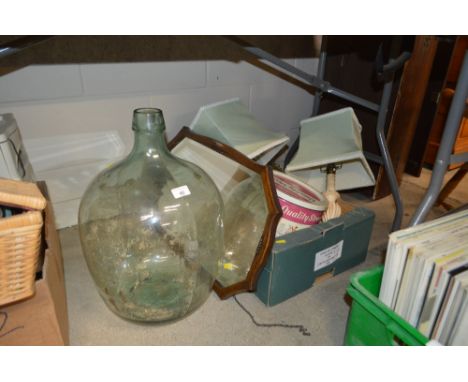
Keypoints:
pixel 301 204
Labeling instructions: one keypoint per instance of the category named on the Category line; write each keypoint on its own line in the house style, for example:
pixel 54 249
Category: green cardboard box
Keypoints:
pixel 298 259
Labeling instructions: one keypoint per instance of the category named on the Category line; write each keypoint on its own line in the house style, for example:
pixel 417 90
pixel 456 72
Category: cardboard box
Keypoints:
pixel 43 318
pixel 302 258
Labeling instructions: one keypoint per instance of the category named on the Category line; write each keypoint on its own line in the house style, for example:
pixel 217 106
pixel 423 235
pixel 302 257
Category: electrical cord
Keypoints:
pixel 18 156
pixel 301 328
pixel 2 325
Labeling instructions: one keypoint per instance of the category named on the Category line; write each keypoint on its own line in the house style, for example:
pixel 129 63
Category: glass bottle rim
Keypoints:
pixel 148 110
pixel 148 119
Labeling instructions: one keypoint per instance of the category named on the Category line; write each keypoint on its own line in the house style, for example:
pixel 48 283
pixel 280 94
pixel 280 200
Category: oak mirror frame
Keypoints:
pixel 218 160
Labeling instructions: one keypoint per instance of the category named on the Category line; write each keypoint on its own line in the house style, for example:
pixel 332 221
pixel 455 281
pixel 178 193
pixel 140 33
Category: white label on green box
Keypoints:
pixel 328 255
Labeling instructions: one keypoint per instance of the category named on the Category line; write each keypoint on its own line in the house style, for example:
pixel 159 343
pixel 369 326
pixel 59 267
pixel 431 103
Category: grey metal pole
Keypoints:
pixel 291 69
pixel 320 76
pixel 459 158
pixel 310 79
pixel 442 161
pixel 15 46
pixel 386 159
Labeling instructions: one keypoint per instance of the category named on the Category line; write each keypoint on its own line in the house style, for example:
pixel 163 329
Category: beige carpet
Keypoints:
pixel 321 309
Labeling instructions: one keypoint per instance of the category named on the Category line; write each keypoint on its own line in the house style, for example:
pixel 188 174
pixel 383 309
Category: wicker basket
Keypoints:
pixel 20 240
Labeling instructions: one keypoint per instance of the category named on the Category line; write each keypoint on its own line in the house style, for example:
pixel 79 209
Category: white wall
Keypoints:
pixel 75 103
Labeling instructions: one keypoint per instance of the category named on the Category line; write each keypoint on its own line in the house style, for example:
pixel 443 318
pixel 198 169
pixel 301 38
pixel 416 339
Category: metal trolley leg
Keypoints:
pixel 446 145
pixel 386 159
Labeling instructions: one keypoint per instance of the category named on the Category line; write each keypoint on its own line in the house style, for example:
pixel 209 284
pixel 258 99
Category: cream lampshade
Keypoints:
pixel 330 148
pixel 231 123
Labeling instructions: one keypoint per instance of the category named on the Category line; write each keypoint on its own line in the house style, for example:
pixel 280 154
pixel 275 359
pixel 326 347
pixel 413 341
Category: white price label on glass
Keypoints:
pixel 328 255
pixel 180 192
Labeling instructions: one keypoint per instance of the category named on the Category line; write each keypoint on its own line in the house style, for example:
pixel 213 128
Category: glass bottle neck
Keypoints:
pixel 148 126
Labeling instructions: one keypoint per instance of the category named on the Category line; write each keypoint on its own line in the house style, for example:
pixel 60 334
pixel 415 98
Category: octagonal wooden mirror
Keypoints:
pixel 252 209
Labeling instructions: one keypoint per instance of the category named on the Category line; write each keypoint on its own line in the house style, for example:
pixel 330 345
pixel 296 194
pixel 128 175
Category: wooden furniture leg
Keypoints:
pixel 451 185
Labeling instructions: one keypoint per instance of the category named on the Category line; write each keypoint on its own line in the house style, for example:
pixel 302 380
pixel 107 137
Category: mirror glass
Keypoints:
pixel 246 208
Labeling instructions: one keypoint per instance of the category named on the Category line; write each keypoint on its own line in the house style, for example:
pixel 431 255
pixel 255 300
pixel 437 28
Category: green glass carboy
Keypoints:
pixel 151 229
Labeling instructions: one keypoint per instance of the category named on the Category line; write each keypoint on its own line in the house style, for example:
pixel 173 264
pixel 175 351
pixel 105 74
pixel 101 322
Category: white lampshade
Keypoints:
pixel 231 122
pixel 332 138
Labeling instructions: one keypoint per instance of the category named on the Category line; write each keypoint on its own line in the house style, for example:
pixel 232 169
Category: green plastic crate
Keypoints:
pixel 370 321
